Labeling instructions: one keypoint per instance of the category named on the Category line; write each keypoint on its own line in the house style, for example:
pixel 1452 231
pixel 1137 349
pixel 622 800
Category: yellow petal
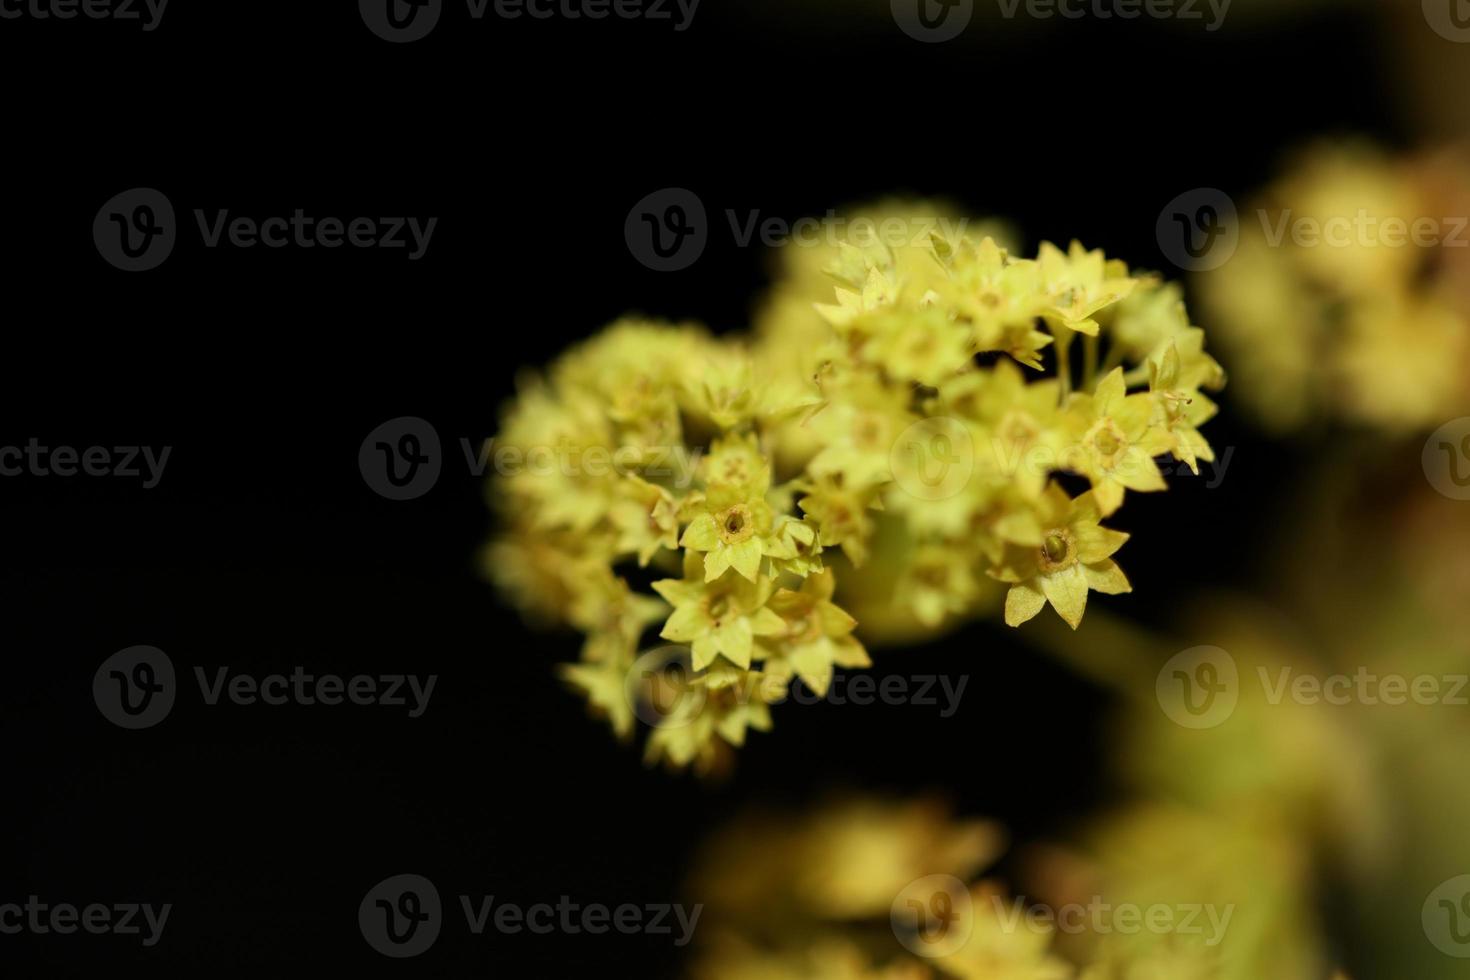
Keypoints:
pixel 1106 577
pixel 701 534
pixel 1140 472
pixel 1022 603
pixel 767 623
pixel 685 624
pixel 814 668
pixel 1108 494
pixel 745 557
pixel 735 639
pixel 1066 590
pixel 1110 392
pixel 1095 544
pixel 715 563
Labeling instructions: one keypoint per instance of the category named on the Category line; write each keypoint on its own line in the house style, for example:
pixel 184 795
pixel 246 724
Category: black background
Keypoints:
pixel 262 548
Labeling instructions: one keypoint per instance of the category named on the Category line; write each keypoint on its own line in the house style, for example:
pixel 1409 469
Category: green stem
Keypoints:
pixel 1063 337
pixel 1089 361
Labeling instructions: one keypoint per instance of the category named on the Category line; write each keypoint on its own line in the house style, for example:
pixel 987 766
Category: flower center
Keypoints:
pixel 1108 441
pixel 1018 428
pixel 735 524
pixel 1056 550
pixel 735 471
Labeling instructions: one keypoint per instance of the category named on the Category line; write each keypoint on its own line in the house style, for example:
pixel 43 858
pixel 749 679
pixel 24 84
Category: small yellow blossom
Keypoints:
pixel 720 617
pixel 1073 556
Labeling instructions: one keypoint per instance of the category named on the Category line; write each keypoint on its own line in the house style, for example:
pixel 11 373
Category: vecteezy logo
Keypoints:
pixel 1446 917
pixel 134 688
pixel 1199 687
pixel 400 459
pixel 662 688
pixel 1446 459
pixel 1450 19
pixel 932 21
pixel 401 916
pixel 667 230
pixel 400 21
pixel 932 915
pixel 1198 230
pixel 933 459
pixel 135 231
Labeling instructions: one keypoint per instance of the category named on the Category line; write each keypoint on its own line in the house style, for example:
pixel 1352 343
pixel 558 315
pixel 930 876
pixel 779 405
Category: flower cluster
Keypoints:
pixel 944 386
pixel 872 889
pixel 1345 298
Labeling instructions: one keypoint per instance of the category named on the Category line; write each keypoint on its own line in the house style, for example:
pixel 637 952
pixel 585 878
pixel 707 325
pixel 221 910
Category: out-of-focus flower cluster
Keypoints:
pixel 868 889
pixel 861 889
pixel 914 421
pixel 1346 297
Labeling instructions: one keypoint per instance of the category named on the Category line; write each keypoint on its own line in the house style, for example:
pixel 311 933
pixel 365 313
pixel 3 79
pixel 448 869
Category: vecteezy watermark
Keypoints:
pixel 935 458
pixel 64 919
pixel 402 459
pixel 124 462
pixel 1099 917
pixel 1201 687
pixel 1211 12
pixel 136 688
pixel 1446 459
pixel 1450 19
pixel 1363 229
pixel 1363 687
pixel 402 916
pixel 1446 917
pixel 933 21
pixel 401 21
pixel 665 691
pixel 148 13
pixel 668 229
pixel 136 231
pixel 1199 230
pixel 933 916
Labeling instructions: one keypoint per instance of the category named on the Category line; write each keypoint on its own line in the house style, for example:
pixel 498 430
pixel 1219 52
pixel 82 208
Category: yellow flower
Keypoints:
pixel 1117 441
pixel 793 547
pixel 939 583
pixel 1019 422
pixel 818 634
pixel 997 297
pixel 737 462
pixel 841 512
pixel 646 517
pixel 1073 556
pixel 717 618
pixel 1182 409
pixel 730 530
pixel 1079 283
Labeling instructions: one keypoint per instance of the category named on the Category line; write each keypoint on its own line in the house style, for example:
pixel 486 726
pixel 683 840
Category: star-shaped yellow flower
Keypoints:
pixel 1079 283
pixel 717 618
pixel 1116 441
pixel 1073 556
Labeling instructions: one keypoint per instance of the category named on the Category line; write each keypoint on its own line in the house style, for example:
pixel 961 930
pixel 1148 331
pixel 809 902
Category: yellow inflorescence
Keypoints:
pixel 908 429
pixel 1345 299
